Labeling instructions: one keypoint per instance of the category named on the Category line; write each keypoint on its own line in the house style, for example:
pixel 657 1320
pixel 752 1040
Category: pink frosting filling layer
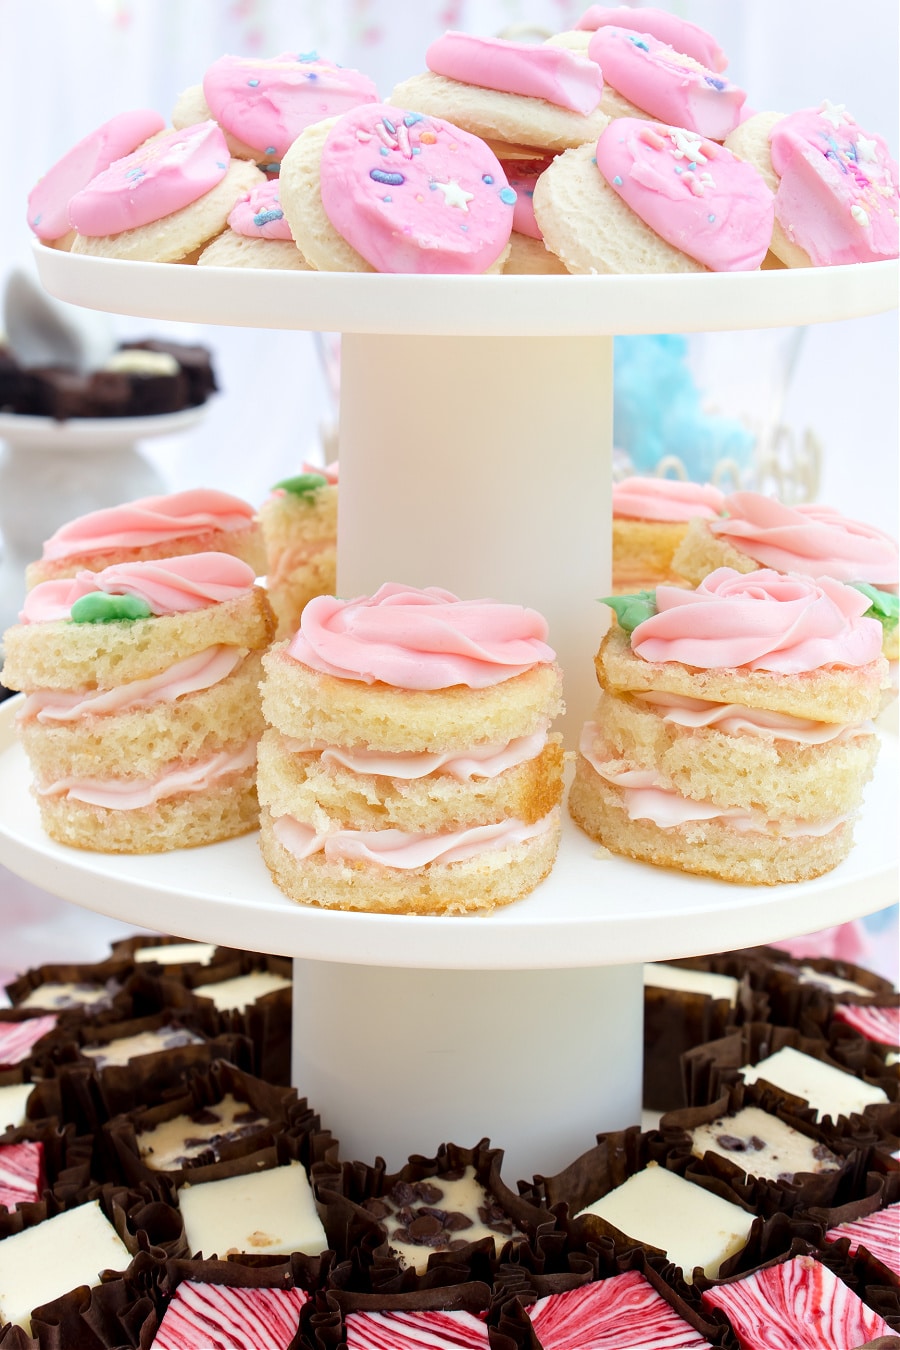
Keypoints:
pixel 161 177
pixel 149 520
pixel 420 639
pixel 666 499
pixel 694 193
pixel 197 672
pixel 266 104
pixel 403 849
pixel 760 621
pixel 481 761
pixel 623 1310
pixel 258 215
pixel 555 74
pixel 837 197
pixel 661 24
pixel 120 794
pixel 415 194
pixel 810 538
pixel 48 201
pixel 666 83
pixel 170 586
pixel 732 719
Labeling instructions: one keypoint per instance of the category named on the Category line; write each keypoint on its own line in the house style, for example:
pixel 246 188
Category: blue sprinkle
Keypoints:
pixel 263 217
pixel 389 126
pixel 270 149
pixel 134 174
pixel 274 167
pixel 312 75
pixel 716 84
pixel 38 218
pixel 851 151
pixel 487 178
pixel 220 165
pixel 383 150
pixel 638 43
pixel 678 169
pixel 693 165
pixel 253 83
pixel 711 219
pixel 387 199
pixel 464 228
pixel 618 180
pixel 508 195
pixel 529 192
pixel 411 119
pixel 432 187
pixel 417 149
pixel 389 179
pixel 594 160
pixel 306 57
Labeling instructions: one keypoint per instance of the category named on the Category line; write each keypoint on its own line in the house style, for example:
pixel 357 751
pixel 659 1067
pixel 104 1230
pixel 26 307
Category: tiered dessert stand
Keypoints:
pixel 475 448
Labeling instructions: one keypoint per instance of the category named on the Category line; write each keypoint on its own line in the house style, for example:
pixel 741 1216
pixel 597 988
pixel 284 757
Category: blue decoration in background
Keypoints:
pixel 658 410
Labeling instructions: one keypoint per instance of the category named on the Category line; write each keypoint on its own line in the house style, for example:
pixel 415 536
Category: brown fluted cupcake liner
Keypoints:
pixel 281 1109
pixel 109 975
pixel 67 1157
pixel 325 1326
pixel 347 1197
pixel 809 1007
pixel 125 948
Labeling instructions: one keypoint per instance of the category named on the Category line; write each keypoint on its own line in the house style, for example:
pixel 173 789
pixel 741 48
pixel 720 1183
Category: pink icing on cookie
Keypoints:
pixel 759 621
pixel 420 639
pixel 415 194
pixel 664 26
pixel 161 177
pixel 48 201
pixel 22 1176
pixel 203 1315
pixel 522 174
pixel 876 1024
pixel 879 1233
pixel 809 538
pixel 172 586
pixel 667 83
pixel 623 1310
pixel 559 76
pixel 668 499
pixel 266 104
pixel 694 193
pixel 258 215
pixel 837 198
pixel 149 520
pixel 796 1305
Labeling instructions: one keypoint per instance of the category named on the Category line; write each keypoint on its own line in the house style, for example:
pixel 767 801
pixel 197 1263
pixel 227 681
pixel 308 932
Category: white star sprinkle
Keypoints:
pixel 866 149
pixel 454 195
pixel 859 215
pixel 835 113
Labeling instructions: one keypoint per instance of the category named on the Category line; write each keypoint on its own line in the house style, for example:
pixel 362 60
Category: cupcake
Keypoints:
pixel 142 713
pixel 732 737
pixel 299 525
pixel 408 767
pixel 650 517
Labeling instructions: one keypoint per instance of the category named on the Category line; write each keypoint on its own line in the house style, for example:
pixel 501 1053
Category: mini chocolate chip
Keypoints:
pixel 456 1221
pixel 248 1115
pixel 457 1245
pixel 731 1143
pixel 756 1143
pixel 431 1212
pixel 502 1226
pixel 406 1214
pixel 401 1235
pixel 428 1194
pixel 377 1208
pixel 785 1176
pixel 822 1153
pixel 424 1227
pixel 403 1193
pixel 455 1174
pixel 205 1116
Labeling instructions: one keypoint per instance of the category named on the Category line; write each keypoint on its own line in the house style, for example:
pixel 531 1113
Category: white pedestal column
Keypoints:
pixel 400 1061
pixel 483 465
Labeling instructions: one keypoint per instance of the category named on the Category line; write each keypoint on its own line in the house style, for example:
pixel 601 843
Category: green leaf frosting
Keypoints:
pixel 98 607
pixel 632 609
pixel 304 484
pixel 884 607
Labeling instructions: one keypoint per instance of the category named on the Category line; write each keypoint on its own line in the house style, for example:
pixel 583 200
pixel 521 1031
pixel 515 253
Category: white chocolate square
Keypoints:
pixel 237 994
pixel 13 1101
pixel 662 976
pixel 271 1212
pixel 828 1090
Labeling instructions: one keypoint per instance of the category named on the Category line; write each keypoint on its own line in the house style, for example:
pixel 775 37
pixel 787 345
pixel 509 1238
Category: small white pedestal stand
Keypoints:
pixel 475 455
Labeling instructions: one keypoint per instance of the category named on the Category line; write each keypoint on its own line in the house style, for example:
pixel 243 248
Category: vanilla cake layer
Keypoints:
pixel 701 552
pixel 222 811
pixel 784 779
pixel 246 544
pixel 310 707
pixel 300 531
pixel 643 551
pixel 493 877
pixel 302 785
pixel 193 727
pixel 844 695
pixel 705 847
pixel 65 655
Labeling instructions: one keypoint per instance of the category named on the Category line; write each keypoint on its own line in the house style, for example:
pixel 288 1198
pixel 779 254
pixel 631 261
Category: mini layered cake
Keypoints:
pixel 650 517
pixel 732 738
pixel 299 525
pixel 201 520
pixel 408 766
pixel 143 714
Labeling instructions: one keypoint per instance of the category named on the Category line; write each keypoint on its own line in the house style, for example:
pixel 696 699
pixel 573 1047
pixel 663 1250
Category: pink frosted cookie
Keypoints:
pixel 48 201
pixel 381 189
pixel 161 203
pixel 22 1176
pixel 527 253
pixel 203 1316
pixel 835 185
pixel 624 1311
pixel 258 234
pixel 879 1233
pixel 199 520
pixel 546 97
pixel 666 83
pixel 661 24
pixel 415 1331
pixel 18 1039
pixel 263 105
pixel 881 1025
pixel 654 198
pixel 795 1305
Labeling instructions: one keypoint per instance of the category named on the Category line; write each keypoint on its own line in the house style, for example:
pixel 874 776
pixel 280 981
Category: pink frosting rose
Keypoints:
pixel 149 520
pixel 810 538
pixel 760 621
pixel 668 499
pixel 172 586
pixel 420 639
